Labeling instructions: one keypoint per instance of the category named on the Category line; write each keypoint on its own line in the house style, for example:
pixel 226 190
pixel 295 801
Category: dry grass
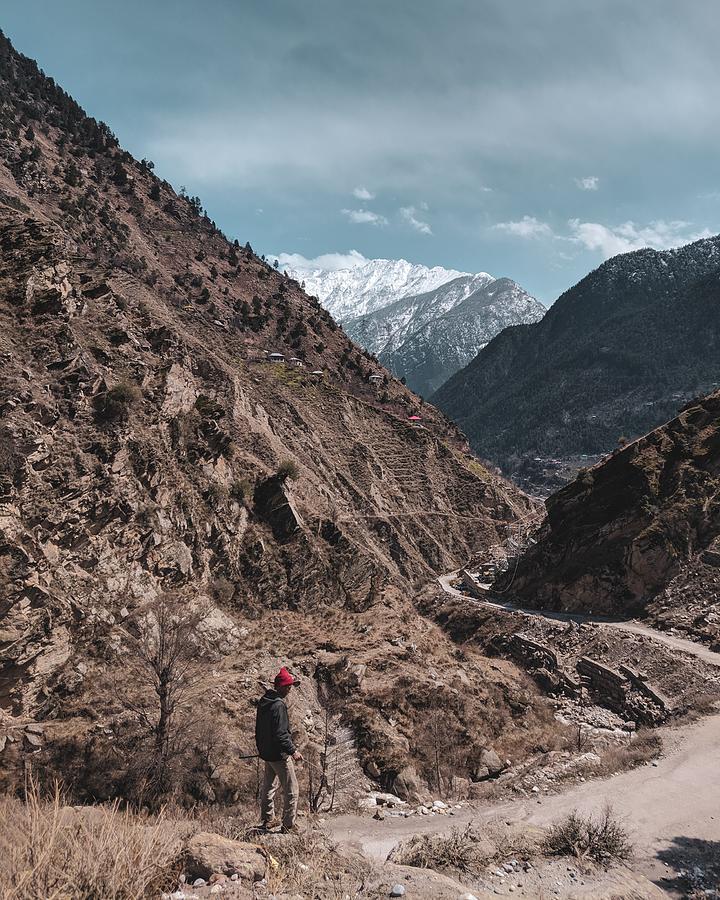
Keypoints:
pixel 465 850
pixel 603 839
pixel 309 864
pixel 100 853
pixel 644 746
pixel 458 849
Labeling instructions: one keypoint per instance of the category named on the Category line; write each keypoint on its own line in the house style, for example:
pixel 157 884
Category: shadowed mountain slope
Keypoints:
pixel 616 355
pixel 640 528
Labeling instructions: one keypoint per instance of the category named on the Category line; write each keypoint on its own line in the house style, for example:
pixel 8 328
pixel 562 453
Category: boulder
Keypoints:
pixel 33 741
pixel 711 556
pixel 274 506
pixel 407 786
pixel 477 791
pixel 492 762
pixel 207 854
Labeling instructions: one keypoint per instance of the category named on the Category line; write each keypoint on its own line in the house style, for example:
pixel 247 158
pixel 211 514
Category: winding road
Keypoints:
pixel 671 807
pixel 631 626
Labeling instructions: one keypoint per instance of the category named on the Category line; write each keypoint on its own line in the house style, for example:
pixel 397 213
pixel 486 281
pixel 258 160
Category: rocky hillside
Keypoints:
pixel 615 356
pixel 148 447
pixel 637 532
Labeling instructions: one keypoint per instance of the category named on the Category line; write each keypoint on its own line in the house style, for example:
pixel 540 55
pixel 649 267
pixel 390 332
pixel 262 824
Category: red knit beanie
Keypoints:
pixel 284 678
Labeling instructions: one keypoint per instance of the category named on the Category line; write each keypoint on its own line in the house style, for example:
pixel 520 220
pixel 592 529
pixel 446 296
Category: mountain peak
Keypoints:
pixel 364 287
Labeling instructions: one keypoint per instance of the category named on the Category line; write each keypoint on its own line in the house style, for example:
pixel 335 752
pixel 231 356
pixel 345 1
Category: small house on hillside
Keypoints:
pixel 276 357
pixel 318 373
pixel 375 379
pixel 298 363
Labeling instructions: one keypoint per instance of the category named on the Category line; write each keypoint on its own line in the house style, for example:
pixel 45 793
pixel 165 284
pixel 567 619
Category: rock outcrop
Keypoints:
pixel 617 536
pixel 208 854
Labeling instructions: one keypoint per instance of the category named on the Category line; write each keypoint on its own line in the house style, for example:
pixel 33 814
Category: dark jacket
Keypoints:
pixel 272 728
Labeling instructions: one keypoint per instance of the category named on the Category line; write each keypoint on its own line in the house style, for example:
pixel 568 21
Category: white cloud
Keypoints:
pixel 589 183
pixel 610 240
pixel 328 261
pixel 363 194
pixel 364 217
pixel 527 227
pixel 407 213
pixel 659 235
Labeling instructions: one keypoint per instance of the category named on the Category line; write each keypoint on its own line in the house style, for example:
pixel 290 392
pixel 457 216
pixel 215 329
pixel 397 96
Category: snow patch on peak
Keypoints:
pixel 361 286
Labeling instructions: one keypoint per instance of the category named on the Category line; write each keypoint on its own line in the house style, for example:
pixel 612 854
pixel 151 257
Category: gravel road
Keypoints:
pixel 671 807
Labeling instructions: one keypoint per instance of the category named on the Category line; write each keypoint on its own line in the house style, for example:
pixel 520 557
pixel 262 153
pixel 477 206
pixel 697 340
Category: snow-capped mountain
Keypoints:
pixel 423 323
pixel 432 353
pixel 386 329
pixel 370 285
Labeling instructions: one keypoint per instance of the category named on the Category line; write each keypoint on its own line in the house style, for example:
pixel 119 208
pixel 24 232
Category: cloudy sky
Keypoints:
pixel 524 138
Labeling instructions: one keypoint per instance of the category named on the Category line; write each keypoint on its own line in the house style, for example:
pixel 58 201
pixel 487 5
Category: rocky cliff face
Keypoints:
pixel 148 446
pixel 627 531
pixel 617 355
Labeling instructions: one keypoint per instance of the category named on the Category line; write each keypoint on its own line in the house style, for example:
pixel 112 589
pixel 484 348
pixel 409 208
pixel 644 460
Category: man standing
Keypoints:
pixel 276 748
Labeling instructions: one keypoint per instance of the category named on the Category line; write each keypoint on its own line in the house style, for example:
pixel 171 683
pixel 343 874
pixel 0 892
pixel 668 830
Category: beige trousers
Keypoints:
pixel 284 772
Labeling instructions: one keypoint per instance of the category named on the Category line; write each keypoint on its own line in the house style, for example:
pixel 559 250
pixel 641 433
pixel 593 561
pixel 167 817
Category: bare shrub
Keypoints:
pixel 241 490
pixel 466 850
pixel 454 850
pixel 222 589
pixel 88 854
pixel 603 839
pixel 309 864
pixel 330 766
pixel 162 684
pixel 114 404
pixel 288 470
pixel 643 747
pixel 438 745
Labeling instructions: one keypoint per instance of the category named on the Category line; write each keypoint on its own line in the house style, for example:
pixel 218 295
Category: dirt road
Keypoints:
pixel 685 646
pixel 671 807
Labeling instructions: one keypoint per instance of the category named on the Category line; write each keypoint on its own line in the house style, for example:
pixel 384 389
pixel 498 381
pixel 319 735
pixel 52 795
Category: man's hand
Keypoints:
pixel 297 756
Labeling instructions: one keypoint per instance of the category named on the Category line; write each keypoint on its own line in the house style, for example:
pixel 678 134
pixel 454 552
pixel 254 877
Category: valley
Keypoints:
pixel 213 469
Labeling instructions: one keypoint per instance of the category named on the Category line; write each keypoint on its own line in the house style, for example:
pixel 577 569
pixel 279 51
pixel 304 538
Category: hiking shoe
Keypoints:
pixel 271 823
pixel 289 829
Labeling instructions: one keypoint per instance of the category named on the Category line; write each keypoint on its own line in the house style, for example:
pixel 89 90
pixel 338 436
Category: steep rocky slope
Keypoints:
pixel 148 447
pixel 636 532
pixel 616 355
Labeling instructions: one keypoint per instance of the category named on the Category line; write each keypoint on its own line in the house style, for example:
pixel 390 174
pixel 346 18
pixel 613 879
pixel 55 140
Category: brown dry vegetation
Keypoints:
pixel 49 851
pixel 56 852
pixel 602 838
pixel 467 850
